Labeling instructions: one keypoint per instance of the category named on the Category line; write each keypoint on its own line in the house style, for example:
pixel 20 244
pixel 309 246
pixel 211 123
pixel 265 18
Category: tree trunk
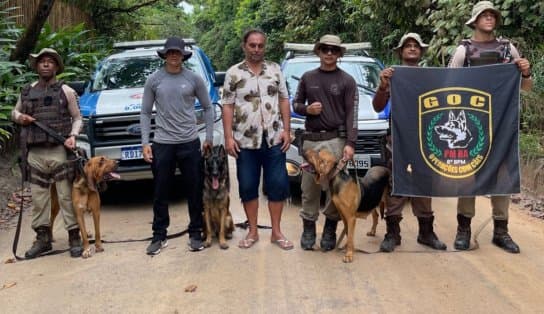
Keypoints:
pixel 27 42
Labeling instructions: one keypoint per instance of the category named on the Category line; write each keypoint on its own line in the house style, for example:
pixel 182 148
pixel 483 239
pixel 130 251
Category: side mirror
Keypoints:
pixel 219 79
pixel 78 86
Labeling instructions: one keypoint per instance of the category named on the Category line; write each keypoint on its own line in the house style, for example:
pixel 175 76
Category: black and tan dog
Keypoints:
pixel 352 199
pixel 217 217
pixel 86 197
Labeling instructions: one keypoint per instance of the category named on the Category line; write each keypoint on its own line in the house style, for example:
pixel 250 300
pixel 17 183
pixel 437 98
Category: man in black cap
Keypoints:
pixel 56 105
pixel 481 49
pixel 173 89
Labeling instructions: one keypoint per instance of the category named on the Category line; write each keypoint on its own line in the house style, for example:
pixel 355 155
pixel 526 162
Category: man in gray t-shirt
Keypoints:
pixel 172 90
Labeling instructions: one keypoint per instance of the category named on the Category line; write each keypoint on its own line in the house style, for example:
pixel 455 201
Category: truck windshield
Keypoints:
pixel 364 73
pixel 132 72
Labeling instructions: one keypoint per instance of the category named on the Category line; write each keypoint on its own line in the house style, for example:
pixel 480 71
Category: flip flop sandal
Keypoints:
pixel 283 244
pixel 247 243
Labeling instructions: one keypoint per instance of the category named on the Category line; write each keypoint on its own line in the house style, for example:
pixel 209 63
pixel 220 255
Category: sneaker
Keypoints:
pixel 155 247
pixel 195 244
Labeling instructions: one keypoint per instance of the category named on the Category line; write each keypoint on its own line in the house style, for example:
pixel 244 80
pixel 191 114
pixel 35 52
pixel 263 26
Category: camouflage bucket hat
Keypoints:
pixel 414 36
pixel 479 8
pixel 34 57
pixel 329 40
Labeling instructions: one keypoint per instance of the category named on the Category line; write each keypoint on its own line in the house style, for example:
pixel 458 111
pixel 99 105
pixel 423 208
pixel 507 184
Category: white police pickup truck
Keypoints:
pixel 111 103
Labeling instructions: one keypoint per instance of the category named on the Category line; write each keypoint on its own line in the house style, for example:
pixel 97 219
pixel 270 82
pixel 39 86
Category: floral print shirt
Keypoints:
pixel 256 103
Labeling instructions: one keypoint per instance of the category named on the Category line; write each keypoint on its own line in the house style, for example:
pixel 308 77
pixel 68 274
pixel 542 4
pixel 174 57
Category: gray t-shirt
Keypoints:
pixel 174 99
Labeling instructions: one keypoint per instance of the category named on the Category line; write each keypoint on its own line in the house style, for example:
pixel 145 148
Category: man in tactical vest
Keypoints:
pixel 481 49
pixel 55 105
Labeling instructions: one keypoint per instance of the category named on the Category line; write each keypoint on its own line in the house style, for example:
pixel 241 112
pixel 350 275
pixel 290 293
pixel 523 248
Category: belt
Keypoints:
pixel 44 145
pixel 321 135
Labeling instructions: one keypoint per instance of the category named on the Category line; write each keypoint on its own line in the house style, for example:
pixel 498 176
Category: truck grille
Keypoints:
pixel 370 142
pixel 120 129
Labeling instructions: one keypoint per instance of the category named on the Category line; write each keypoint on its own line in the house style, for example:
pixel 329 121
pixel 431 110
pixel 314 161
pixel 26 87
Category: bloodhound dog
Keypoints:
pixel 86 197
pixel 352 199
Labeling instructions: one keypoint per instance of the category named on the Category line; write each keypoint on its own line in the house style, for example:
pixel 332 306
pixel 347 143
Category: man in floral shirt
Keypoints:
pixel 257 133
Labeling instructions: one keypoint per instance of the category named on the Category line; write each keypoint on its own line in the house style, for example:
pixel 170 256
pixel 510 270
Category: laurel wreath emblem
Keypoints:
pixel 481 136
pixel 430 144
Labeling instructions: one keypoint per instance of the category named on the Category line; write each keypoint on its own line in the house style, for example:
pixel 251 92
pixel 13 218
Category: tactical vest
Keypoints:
pixel 48 106
pixel 476 55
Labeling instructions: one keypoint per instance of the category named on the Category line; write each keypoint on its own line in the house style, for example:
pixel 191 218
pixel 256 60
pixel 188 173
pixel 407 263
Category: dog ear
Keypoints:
pixel 462 120
pixel 89 174
pixel 222 152
pixel 207 151
pixel 313 158
pixel 310 155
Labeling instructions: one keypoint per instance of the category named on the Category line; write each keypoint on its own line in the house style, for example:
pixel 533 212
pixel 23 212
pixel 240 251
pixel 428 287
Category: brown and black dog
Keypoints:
pixel 352 200
pixel 217 217
pixel 86 197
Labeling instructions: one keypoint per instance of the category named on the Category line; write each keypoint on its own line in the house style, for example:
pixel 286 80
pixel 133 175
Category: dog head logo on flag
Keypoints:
pixel 455 131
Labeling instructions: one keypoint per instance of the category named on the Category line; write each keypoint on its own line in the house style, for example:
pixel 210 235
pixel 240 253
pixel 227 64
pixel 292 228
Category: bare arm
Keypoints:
pixel 382 94
pixel 230 143
pixel 286 119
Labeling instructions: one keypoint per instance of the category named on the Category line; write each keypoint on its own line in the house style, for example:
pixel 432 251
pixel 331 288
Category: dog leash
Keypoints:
pixel 169 237
pixel 475 247
pixel 244 225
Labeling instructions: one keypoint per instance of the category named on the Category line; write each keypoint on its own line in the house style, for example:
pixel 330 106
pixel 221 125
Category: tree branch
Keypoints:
pixel 125 10
pixel 27 42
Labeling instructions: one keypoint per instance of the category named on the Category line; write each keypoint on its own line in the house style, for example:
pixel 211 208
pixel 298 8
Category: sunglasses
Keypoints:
pixel 332 49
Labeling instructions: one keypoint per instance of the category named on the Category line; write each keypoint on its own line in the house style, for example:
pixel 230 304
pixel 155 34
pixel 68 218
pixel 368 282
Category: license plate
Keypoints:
pixel 363 162
pixel 132 152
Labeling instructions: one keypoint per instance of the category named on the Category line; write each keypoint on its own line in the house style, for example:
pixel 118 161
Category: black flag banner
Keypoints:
pixel 455 130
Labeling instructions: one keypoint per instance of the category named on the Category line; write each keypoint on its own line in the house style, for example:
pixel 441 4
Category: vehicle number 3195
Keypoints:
pixel 362 162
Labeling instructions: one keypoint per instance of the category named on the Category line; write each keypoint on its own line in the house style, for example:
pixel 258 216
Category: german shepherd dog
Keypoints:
pixel 217 217
pixel 455 131
pixel 352 199
pixel 86 190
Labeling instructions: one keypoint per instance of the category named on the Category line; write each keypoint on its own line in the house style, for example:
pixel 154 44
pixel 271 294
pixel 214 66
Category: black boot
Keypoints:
pixel 74 241
pixel 462 239
pixel 42 243
pixel 328 238
pixel 426 234
pixel 501 238
pixel 392 237
pixel 307 239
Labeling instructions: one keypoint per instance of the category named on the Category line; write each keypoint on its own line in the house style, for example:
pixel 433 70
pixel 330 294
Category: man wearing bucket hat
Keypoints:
pixel 328 97
pixel 410 50
pixel 256 121
pixel 45 159
pixel 481 49
pixel 172 90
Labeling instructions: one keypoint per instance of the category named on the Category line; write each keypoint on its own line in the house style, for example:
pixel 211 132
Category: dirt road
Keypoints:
pixel 265 279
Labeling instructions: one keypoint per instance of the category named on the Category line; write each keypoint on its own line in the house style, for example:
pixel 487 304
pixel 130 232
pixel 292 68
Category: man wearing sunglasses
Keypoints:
pixel 328 97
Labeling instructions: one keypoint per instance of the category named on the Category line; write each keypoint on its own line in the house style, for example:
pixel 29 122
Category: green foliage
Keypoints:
pixel 215 31
pixel 11 73
pixel 79 48
pixel 531 145
pixel 135 19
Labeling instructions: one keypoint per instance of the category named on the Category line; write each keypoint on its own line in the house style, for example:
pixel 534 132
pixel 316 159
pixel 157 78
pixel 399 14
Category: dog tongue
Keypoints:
pixel 215 183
